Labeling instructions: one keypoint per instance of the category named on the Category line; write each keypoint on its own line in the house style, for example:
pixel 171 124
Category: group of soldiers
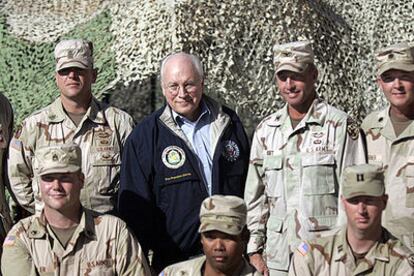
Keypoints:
pixel 183 192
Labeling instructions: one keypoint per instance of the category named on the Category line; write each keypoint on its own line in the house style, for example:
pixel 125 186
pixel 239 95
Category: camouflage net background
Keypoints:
pixel 233 38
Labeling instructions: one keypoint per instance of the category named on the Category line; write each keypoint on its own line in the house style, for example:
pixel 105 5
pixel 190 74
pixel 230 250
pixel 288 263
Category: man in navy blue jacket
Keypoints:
pixel 175 158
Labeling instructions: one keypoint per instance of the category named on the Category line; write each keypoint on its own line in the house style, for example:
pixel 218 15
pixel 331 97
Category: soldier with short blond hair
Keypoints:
pixel 390 137
pixel 66 238
pixel 75 116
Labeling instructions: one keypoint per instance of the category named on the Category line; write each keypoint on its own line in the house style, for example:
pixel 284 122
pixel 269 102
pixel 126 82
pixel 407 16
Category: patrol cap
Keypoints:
pixel 398 56
pixel 66 158
pixel 223 213
pixel 293 56
pixel 74 53
pixel 363 180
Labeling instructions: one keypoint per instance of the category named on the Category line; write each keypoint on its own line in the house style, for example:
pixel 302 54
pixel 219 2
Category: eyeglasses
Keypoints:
pixel 174 88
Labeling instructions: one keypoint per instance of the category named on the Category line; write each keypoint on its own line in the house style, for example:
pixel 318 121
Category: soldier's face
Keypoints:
pixel 364 212
pixel 182 86
pixel 223 251
pixel 74 82
pixel 398 88
pixel 61 191
pixel 297 90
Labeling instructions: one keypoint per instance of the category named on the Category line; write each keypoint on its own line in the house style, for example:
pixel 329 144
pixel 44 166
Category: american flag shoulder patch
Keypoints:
pixel 9 241
pixel 303 248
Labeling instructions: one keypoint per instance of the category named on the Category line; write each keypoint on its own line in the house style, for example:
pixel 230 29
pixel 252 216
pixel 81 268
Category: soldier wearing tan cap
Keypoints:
pixel 390 137
pixel 363 247
pixel 6 126
pixel 224 237
pixel 296 161
pixel 76 116
pixel 65 238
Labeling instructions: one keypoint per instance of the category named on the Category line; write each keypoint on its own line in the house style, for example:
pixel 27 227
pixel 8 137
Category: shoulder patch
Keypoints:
pixel 410 260
pixel 352 128
pixel 9 241
pixel 303 248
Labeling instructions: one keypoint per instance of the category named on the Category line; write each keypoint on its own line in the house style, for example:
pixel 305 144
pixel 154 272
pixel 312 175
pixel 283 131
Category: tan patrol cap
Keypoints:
pixel 66 158
pixel 293 56
pixel 223 213
pixel 398 56
pixel 74 53
pixel 363 180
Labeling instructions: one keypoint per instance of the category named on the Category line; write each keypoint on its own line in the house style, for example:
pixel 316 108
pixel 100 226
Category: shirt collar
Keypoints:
pixel 86 225
pixel 95 112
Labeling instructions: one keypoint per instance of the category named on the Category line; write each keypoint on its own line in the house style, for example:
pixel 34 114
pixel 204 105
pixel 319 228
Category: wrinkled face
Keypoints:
pixel 297 89
pixel 75 82
pixel 182 86
pixel 398 88
pixel 364 212
pixel 61 191
pixel 224 252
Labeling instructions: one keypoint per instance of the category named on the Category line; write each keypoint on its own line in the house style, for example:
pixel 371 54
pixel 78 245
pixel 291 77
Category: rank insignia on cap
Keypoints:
pixel 55 157
pixel 303 248
pixel 231 151
pixel 173 157
pixel 360 177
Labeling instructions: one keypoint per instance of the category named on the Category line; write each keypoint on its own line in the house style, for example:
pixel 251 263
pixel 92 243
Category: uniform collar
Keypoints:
pixel 37 229
pixel 315 115
pixel 379 252
pixel 95 112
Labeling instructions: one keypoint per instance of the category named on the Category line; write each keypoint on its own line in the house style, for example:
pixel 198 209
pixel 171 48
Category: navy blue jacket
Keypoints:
pixel 161 190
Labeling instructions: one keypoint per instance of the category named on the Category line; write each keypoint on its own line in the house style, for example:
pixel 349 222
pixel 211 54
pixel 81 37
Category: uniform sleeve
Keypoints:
pixel 255 198
pixel 353 153
pixel 20 167
pixel 16 259
pixel 130 258
pixel 135 201
pixel 302 261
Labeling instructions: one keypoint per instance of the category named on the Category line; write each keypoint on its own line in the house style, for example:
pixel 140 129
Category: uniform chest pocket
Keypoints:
pixel 106 167
pixel 273 170
pixel 318 174
pixel 409 182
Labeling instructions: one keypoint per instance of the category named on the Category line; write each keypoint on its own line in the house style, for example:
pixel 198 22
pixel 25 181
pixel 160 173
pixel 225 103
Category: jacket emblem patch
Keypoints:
pixel 173 157
pixel 231 151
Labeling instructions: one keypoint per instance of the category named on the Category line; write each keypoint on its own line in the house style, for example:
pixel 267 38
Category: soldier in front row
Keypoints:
pixel 296 162
pixel 224 236
pixel 390 137
pixel 67 239
pixel 363 247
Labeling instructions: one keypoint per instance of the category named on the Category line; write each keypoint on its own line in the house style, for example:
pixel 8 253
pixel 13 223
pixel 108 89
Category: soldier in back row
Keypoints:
pixel 296 163
pixel 390 137
pixel 75 116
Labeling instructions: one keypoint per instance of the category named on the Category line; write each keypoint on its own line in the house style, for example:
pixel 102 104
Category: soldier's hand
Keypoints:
pixel 257 261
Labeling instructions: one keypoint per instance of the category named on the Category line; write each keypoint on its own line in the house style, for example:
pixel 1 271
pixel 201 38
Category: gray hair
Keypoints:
pixel 193 58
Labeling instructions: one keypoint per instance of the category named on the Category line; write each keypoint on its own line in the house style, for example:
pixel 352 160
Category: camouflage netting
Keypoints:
pixel 233 38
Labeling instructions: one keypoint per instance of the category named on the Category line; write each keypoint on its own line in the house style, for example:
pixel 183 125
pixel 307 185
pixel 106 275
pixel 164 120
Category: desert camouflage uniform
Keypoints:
pixel 194 268
pixel 292 188
pixel 333 256
pixel 396 156
pixel 101 136
pixel 100 245
pixel 6 123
